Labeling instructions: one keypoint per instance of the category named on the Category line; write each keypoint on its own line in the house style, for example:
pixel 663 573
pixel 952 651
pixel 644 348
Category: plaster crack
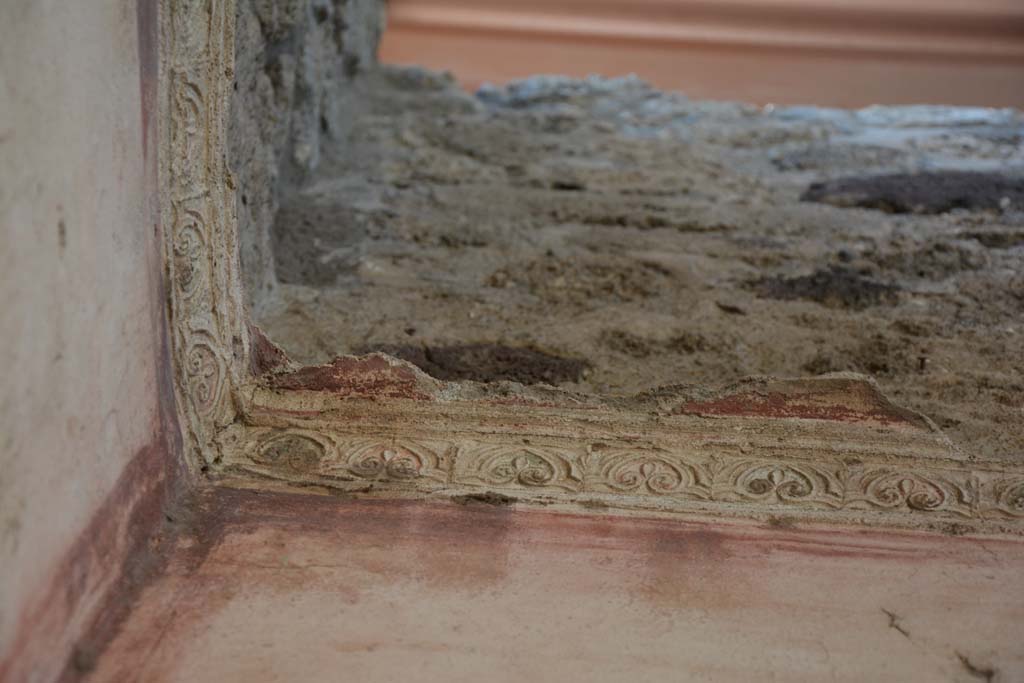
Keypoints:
pixel 982 673
pixel 896 622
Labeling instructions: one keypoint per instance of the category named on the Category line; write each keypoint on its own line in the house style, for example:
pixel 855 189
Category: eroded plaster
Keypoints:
pixel 830 448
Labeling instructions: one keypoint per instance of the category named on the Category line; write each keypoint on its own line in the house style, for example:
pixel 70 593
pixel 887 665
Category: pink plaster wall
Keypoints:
pixel 86 410
pixel 297 587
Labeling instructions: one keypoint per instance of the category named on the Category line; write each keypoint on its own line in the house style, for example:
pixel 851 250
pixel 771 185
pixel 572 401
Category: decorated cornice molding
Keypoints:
pixel 829 448
pixel 197 207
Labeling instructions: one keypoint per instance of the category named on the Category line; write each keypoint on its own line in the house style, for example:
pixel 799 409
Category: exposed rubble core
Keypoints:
pixel 648 240
pixel 924 192
pixel 295 62
pixel 608 238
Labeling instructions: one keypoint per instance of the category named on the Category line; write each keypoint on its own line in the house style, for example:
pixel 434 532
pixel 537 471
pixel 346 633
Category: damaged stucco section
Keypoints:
pixel 295 61
pixel 831 449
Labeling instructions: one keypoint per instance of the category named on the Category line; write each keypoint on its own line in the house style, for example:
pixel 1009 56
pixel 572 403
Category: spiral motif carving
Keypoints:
pixel 654 475
pixel 189 254
pixel 1008 497
pixel 888 489
pixel 787 484
pixel 203 370
pixel 518 467
pixel 386 462
pixel 526 470
pixel 774 482
pixel 187 126
pixel 293 452
pixel 1013 499
pixel 651 474
pixel 402 462
pixel 917 495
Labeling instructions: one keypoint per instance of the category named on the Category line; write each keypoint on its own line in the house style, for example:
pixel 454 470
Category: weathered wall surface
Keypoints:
pixel 295 60
pixel 86 414
pixel 284 587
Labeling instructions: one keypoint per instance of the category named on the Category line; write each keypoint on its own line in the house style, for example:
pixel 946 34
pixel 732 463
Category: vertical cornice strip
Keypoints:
pixel 197 208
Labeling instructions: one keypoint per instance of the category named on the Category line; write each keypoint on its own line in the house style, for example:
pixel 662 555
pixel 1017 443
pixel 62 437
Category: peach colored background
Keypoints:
pixel 830 52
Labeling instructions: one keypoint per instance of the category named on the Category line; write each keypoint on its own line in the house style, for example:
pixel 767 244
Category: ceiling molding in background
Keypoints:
pixel 831 52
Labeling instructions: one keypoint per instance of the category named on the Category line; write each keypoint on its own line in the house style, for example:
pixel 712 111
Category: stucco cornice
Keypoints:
pixel 830 449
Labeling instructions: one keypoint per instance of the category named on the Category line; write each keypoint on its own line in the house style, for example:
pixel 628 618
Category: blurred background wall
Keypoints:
pixel 828 52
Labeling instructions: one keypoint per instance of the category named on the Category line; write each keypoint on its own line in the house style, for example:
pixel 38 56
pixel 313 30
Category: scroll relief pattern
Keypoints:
pixel 200 246
pixel 641 478
pixel 360 462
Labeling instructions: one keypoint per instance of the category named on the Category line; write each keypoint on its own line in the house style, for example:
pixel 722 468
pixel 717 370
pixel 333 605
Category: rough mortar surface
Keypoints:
pixel 294 65
pixel 611 239
pixel 490 422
